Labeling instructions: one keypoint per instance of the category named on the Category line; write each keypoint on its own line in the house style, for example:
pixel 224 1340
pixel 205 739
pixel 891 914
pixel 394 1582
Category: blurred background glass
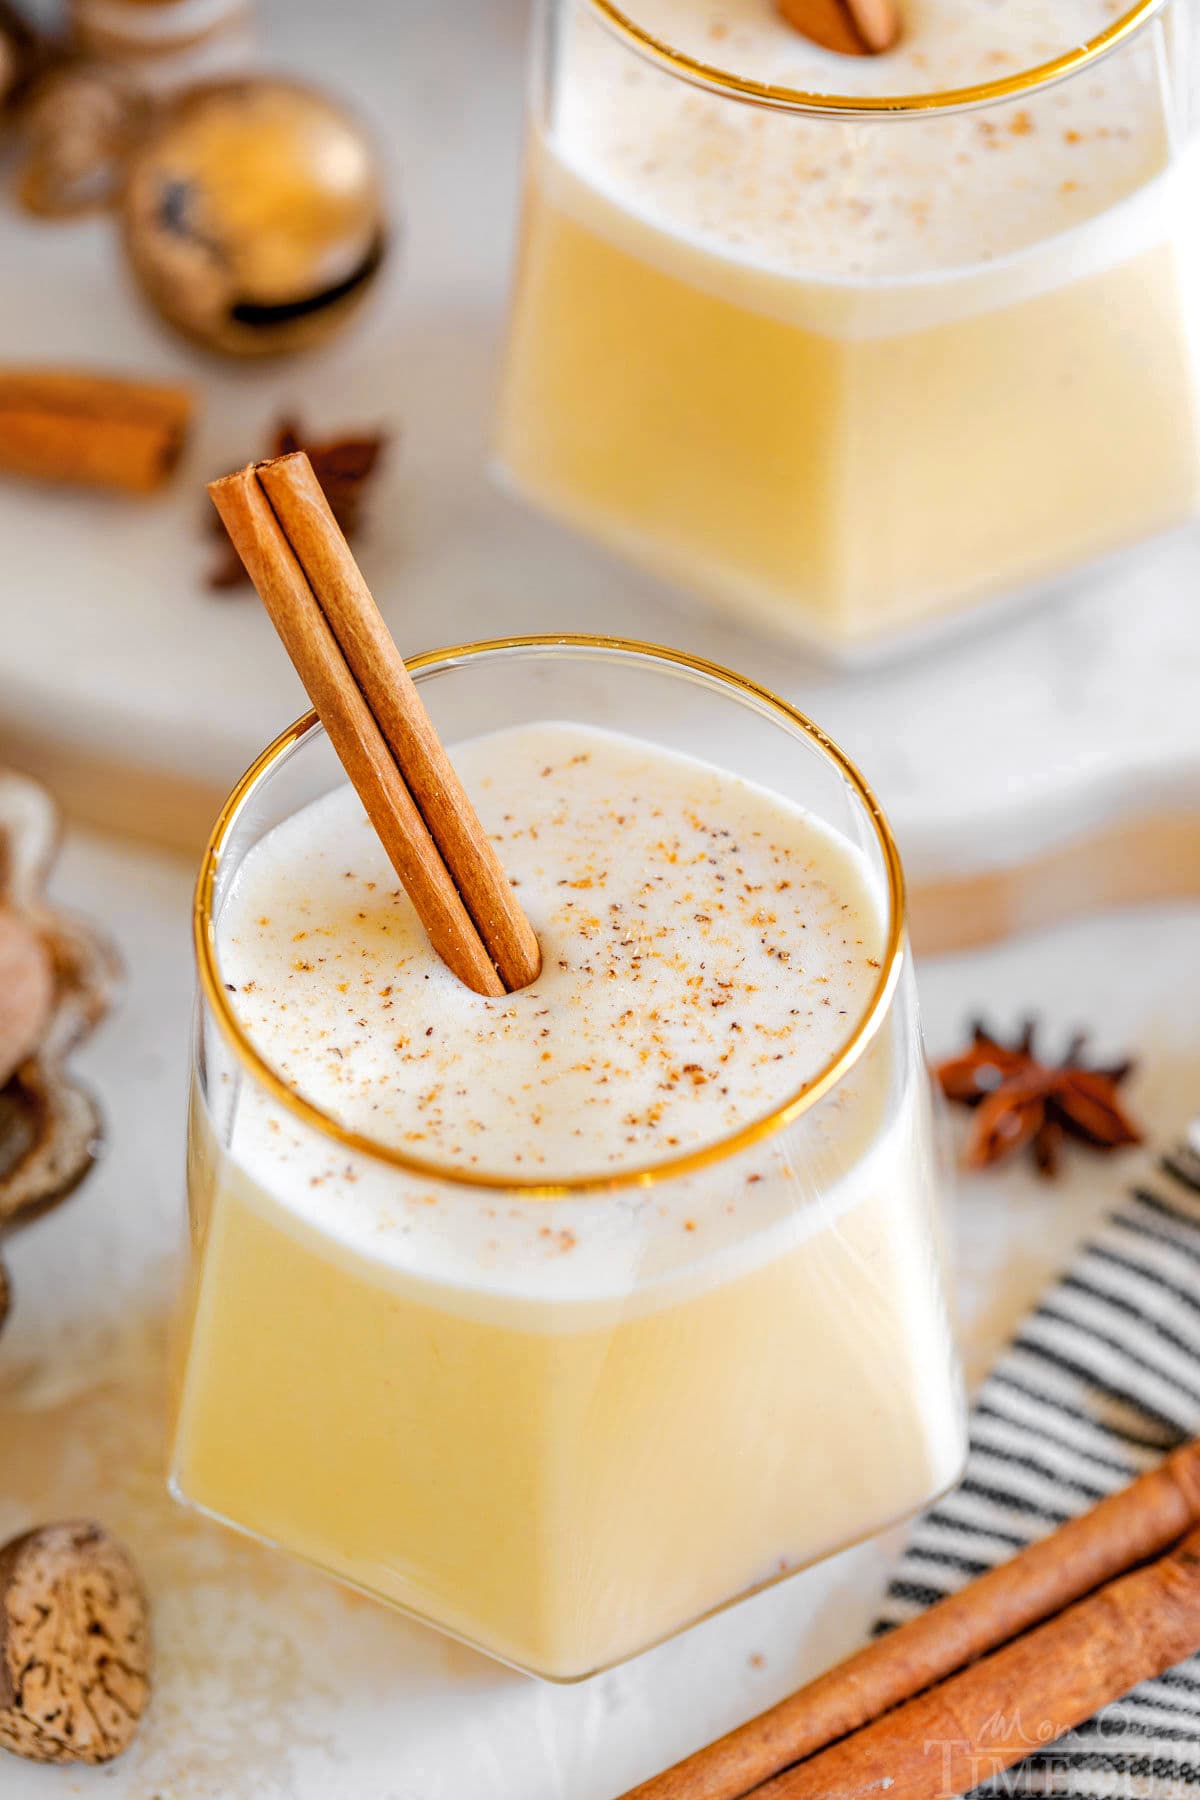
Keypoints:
pixel 844 376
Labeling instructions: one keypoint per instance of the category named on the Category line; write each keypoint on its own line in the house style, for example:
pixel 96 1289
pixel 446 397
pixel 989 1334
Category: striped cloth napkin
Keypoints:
pixel 1101 1380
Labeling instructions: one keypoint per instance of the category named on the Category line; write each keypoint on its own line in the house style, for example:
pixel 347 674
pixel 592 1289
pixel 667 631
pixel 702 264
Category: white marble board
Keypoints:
pixel 1061 720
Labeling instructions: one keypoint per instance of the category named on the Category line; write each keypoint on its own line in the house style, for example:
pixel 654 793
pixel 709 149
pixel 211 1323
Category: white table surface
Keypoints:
pixel 272 1683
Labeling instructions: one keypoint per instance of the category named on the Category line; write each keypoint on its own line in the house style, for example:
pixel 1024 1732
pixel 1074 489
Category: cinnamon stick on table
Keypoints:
pixel 1123 1530
pixel 298 558
pixel 68 425
pixel 996 1713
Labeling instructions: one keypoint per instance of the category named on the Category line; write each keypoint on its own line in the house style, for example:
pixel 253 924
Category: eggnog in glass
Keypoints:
pixel 562 1319
pixel 850 344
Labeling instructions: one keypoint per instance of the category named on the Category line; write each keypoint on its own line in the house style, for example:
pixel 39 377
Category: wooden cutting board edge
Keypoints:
pixel 1151 856
pixel 1131 861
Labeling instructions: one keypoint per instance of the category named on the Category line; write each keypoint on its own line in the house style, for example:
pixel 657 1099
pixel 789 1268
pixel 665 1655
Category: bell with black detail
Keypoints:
pixel 253 216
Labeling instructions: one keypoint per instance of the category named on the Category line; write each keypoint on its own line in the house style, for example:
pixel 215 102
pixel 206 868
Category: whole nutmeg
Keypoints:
pixel 74 1645
pixel 253 215
pixel 79 123
pixel 21 50
pixel 8 68
pixel 166 42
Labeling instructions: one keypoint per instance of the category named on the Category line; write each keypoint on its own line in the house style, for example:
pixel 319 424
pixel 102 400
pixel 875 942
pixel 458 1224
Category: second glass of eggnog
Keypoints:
pixel 851 344
pixel 563 1319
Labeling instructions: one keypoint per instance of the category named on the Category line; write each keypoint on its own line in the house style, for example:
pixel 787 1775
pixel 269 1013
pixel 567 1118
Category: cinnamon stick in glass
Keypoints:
pixel 1123 1530
pixel 299 504
pixel 851 27
pixel 294 578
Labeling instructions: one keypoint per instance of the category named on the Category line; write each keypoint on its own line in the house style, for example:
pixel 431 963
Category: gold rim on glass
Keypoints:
pixel 785 99
pixel 644 1175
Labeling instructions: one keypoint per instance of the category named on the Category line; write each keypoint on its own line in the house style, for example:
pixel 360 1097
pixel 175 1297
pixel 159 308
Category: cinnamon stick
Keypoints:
pixel 994 1714
pixel 299 504
pixel 1125 1529
pixel 67 425
pixel 278 571
pixel 852 27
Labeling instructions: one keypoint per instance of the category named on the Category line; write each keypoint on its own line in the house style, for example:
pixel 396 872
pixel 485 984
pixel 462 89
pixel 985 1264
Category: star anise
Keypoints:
pixel 344 467
pixel 1021 1101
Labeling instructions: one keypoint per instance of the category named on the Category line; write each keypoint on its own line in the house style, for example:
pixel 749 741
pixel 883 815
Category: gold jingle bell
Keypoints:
pixel 253 215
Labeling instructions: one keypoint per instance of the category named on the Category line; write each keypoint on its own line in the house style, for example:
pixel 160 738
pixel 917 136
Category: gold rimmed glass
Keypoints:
pixel 493 661
pixel 856 366
pixel 938 100
pixel 562 1418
